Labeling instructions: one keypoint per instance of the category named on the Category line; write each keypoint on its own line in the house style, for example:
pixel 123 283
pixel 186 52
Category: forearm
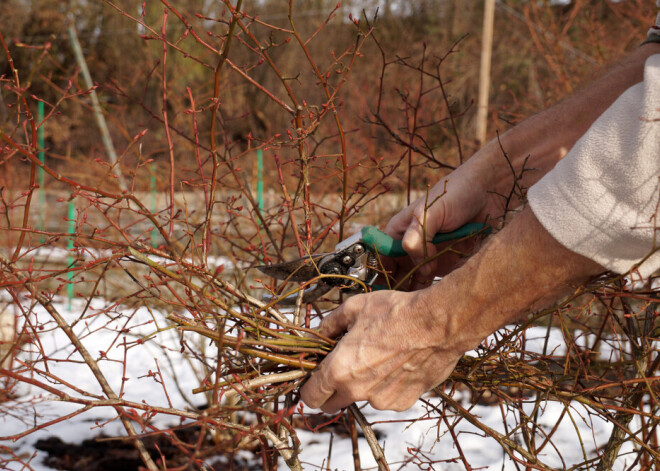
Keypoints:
pixel 520 270
pixel 546 137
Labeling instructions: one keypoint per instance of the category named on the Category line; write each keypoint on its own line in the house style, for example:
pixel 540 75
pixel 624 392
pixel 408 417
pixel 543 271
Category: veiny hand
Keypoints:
pixel 400 344
pixel 397 346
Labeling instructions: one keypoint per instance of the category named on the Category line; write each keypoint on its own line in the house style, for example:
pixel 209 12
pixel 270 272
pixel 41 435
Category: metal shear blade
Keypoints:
pixel 356 259
pixel 301 270
pixel 350 267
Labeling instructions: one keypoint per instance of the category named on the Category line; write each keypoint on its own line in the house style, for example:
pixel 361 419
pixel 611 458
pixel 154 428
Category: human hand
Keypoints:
pixel 457 199
pixel 397 346
pixel 400 344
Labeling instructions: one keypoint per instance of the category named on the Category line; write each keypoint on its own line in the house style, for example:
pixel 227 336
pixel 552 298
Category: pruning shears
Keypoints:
pixel 353 266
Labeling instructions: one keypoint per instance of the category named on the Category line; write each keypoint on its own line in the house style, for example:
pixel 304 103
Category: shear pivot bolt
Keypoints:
pixel 347 260
pixel 333 268
pixel 358 249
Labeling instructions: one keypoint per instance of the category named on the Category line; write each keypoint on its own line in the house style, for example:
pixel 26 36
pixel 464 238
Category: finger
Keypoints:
pixel 399 223
pixel 337 402
pixel 419 249
pixel 399 396
pixel 420 231
pixel 318 388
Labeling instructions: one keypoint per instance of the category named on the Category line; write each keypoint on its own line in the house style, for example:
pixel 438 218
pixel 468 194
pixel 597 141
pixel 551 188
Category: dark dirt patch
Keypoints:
pixel 104 454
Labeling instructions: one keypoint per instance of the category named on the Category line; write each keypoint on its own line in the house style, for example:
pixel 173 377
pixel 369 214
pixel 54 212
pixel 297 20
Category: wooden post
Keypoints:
pixel 484 72
pixel 96 105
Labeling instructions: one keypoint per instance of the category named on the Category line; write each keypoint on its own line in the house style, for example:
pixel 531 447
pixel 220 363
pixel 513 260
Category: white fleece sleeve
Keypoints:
pixel 603 199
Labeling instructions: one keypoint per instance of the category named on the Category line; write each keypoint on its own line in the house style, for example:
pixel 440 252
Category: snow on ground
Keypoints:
pixel 399 432
pixel 59 254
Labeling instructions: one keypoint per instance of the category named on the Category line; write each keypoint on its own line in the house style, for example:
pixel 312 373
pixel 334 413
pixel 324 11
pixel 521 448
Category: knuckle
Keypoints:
pixel 418 213
pixel 352 308
pixel 353 303
pixel 412 243
pixel 340 377
pixel 326 325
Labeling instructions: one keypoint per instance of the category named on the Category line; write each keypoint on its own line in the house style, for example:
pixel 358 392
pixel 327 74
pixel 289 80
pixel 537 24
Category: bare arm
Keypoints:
pixel 399 345
pixel 549 135
pixel 471 193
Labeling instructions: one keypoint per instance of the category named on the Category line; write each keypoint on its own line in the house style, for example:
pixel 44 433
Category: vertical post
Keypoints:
pixel 260 179
pixel 96 105
pixel 69 263
pixel 152 190
pixel 40 171
pixel 260 195
pixel 484 71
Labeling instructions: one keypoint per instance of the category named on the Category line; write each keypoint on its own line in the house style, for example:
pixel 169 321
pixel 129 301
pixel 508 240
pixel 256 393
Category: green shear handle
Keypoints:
pixel 391 247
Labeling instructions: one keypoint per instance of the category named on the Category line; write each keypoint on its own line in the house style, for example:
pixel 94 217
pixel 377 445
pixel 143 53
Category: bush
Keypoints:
pixel 129 285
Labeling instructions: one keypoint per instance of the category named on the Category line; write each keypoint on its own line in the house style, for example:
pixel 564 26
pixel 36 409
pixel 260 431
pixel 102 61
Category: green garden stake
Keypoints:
pixel 152 189
pixel 260 179
pixel 260 194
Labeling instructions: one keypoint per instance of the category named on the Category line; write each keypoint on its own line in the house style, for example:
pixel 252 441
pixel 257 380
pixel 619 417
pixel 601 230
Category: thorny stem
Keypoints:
pixel 572 379
pixel 174 245
pixel 222 59
pixel 621 420
pixel 290 209
pixel 355 446
pixel 412 132
pixel 124 405
pixel 215 300
pixel 265 380
pixel 330 102
pixel 170 144
pixel 252 352
pixel 89 360
pixel 32 140
pixel 503 440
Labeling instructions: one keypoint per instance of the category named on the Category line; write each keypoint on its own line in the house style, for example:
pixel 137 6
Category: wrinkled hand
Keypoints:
pixel 397 346
pixel 459 198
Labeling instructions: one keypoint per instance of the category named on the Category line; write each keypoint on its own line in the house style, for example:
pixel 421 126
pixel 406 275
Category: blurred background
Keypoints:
pixel 542 51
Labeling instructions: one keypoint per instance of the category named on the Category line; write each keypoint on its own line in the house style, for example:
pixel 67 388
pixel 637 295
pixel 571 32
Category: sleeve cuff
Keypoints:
pixel 602 200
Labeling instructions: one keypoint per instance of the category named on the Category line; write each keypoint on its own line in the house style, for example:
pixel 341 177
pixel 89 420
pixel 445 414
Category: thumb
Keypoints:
pixel 398 225
pixel 417 243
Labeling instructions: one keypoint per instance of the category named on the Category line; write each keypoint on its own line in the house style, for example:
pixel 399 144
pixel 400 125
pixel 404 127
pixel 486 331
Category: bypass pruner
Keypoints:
pixel 353 265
